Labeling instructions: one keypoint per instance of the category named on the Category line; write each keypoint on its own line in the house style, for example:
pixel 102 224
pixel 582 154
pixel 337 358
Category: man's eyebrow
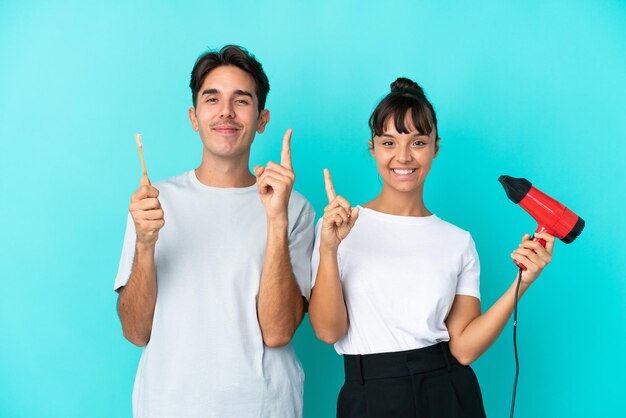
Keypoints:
pixel 243 93
pixel 237 92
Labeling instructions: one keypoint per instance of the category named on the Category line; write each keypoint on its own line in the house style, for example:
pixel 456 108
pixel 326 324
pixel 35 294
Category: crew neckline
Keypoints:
pixel 401 219
pixel 194 180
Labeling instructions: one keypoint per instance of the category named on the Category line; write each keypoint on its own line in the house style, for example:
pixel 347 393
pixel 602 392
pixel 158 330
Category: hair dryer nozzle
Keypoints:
pixel 515 188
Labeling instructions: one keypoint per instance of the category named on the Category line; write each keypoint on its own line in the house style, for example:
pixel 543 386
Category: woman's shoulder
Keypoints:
pixel 451 230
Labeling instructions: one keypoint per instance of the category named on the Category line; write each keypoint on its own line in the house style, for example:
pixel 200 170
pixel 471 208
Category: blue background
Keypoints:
pixel 534 90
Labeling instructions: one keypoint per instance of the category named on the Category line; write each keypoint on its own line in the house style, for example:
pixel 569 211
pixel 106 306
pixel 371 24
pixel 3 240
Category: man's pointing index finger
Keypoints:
pixel 285 155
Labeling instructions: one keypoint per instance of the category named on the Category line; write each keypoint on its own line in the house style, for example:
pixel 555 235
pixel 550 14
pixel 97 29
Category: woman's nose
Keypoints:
pixel 403 154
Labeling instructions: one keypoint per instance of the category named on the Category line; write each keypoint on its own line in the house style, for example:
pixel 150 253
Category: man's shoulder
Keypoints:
pixel 180 181
pixel 298 203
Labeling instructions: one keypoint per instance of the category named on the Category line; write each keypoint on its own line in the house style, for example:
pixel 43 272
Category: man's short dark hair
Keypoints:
pixel 229 55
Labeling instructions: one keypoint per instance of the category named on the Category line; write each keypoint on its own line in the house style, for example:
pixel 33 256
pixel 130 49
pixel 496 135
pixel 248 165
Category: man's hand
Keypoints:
pixel 147 214
pixel 275 182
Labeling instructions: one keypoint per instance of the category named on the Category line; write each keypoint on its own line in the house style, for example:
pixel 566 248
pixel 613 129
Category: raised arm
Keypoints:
pixel 281 305
pixel 327 309
pixel 471 333
pixel 136 300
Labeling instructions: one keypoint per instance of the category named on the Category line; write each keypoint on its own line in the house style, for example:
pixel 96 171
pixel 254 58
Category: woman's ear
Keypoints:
pixel 370 142
pixel 437 147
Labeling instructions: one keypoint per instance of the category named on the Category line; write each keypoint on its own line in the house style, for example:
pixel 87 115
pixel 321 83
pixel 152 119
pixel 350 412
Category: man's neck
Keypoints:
pixel 225 172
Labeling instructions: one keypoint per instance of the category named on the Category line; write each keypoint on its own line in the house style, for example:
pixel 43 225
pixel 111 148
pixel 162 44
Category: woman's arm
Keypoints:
pixel 471 333
pixel 327 308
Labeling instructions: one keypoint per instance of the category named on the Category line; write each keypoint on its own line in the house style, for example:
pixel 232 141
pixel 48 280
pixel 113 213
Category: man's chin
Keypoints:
pixel 227 152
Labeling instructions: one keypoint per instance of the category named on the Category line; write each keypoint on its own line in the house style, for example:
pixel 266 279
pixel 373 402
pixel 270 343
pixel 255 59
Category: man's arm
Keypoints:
pixel 281 306
pixel 137 299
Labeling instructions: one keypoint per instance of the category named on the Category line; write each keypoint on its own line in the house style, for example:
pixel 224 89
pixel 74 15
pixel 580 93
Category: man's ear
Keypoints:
pixel 264 118
pixel 191 114
pixel 437 147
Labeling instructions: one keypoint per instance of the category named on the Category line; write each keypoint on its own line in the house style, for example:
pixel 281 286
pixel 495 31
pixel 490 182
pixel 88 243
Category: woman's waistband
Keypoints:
pixel 397 364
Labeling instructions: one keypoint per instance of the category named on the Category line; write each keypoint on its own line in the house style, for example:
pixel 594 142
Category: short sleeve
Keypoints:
pixel 128 255
pixel 300 247
pixel 315 257
pixel 469 278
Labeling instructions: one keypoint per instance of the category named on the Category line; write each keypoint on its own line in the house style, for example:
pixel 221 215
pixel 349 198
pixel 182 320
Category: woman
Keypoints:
pixel 396 288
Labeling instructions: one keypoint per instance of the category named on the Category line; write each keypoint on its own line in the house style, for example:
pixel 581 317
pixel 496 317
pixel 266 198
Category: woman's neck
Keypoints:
pixel 394 202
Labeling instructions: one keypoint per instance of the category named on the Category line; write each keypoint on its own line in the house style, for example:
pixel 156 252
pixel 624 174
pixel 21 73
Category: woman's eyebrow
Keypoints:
pixel 415 135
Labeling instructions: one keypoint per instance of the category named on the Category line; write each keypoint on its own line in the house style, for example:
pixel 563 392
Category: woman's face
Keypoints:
pixel 404 160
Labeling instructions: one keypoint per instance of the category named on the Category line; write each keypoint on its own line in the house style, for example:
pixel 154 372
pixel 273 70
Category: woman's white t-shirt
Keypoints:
pixel 400 275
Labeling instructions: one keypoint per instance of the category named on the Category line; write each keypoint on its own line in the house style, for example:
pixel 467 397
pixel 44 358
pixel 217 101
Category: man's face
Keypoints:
pixel 226 113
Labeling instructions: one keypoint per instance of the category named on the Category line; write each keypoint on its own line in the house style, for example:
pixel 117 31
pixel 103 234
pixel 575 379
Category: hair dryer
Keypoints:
pixel 551 216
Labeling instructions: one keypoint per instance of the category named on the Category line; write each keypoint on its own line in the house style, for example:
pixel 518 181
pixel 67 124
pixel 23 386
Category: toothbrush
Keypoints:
pixel 143 162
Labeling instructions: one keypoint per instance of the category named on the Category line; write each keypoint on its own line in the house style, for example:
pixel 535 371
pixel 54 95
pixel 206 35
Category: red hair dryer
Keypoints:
pixel 551 216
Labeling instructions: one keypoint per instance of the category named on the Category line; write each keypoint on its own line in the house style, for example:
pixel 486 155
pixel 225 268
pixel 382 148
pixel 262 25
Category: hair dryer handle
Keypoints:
pixel 540 228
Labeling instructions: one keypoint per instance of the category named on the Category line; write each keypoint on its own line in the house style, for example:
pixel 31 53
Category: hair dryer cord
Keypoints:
pixel 519 281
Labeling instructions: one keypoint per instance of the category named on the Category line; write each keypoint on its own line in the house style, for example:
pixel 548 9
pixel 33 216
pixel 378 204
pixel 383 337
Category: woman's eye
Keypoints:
pixel 419 143
pixel 388 143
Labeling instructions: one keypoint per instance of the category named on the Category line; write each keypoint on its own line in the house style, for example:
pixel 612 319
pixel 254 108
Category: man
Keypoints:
pixel 216 262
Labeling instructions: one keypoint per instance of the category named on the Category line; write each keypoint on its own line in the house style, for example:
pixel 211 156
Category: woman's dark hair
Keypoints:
pixel 406 95
pixel 229 55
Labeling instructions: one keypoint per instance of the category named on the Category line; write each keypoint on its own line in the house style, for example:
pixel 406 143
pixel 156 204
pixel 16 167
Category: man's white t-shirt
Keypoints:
pixel 206 356
pixel 399 276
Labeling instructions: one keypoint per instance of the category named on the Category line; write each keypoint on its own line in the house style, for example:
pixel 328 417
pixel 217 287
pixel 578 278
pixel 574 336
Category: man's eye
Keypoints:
pixel 211 100
pixel 419 143
pixel 241 101
pixel 388 143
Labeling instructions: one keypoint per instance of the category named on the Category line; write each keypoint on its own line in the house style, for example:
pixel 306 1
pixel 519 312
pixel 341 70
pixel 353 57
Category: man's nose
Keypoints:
pixel 227 110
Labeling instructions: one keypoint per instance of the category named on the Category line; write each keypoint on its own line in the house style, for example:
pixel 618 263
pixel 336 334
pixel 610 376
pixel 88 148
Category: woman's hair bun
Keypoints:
pixel 402 83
